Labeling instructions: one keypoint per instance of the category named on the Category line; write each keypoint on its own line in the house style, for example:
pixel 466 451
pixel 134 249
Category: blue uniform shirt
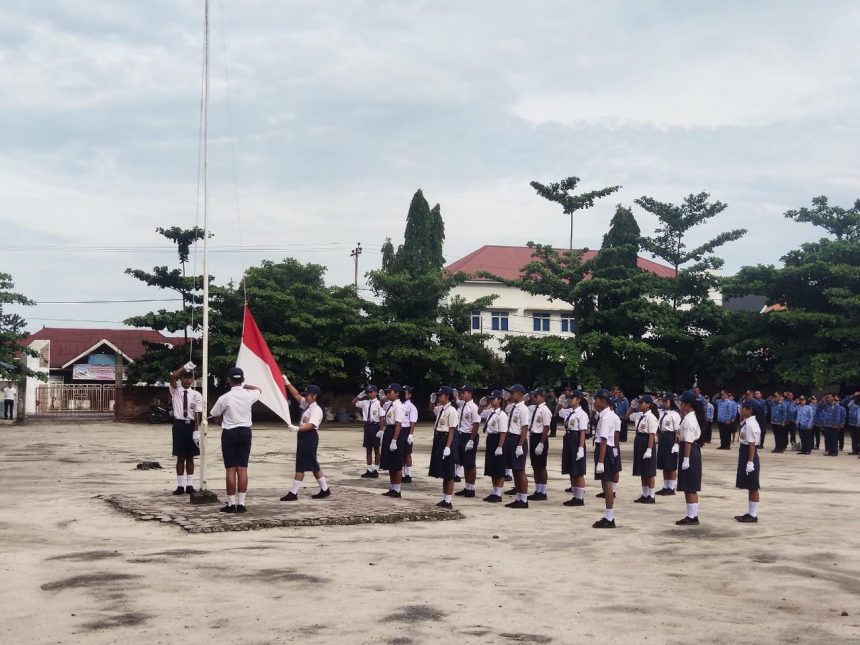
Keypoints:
pixel 622 405
pixel 791 415
pixel 727 411
pixel 853 414
pixel 832 416
pixel 779 413
pixel 709 411
pixel 805 417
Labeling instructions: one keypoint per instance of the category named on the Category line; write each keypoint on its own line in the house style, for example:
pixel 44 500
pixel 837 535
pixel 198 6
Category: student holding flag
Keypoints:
pixel 307 442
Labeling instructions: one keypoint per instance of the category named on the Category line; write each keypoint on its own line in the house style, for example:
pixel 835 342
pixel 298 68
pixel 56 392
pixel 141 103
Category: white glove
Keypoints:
pixel 647 454
pixel 539 449
pixel 393 446
pixel 446 452
pixel 433 398
pixel 470 445
pixel 519 451
pixel 498 452
pixel 675 449
pixel 286 380
pixel 456 393
pixel 599 468
pixel 750 467
pixel 195 436
pixel 189 366
pixel 615 452
pixel 506 395
pixel 483 402
pixel 379 435
pixel 685 464
pixel 409 439
pixel 361 395
pixel 580 453
pixel 292 428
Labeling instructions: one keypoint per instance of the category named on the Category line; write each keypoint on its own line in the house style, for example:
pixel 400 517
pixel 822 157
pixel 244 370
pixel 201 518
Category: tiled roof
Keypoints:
pixel 506 262
pixel 68 343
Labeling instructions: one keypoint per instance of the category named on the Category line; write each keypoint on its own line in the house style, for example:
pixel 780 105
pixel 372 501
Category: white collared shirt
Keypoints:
pixel 540 419
pixel 393 413
pixel 177 397
pixel 577 420
pixel 750 431
pixel 312 414
pixel 371 410
pixel 497 421
pixel 446 418
pixel 608 424
pixel 646 423
pixel 689 430
pixel 410 414
pixel 517 418
pixel 469 415
pixel 670 421
pixel 234 407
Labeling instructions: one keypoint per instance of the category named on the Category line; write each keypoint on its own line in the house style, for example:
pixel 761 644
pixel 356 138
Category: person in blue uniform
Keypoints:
pixel 853 421
pixel 495 427
pixel 307 442
pixel 791 419
pixel 645 449
pixel 816 429
pixel 710 410
pixel 622 408
pixel 444 444
pixel 749 467
pixel 805 423
pixel 727 413
pixel 573 462
pixel 368 404
pixel 778 420
pixel 832 418
pixel 690 456
pixel 605 466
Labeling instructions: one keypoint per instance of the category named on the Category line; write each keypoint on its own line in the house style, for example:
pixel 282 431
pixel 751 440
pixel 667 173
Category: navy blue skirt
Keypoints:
pixel 306 451
pixel 570 465
pixel 666 460
pixel 641 466
pixel 442 467
pixel 404 432
pixel 690 480
pixel 511 460
pixel 388 459
pixel 493 466
pixel 742 480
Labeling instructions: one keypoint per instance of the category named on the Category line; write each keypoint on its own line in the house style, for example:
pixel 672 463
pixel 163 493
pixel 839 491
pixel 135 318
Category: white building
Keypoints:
pixel 514 311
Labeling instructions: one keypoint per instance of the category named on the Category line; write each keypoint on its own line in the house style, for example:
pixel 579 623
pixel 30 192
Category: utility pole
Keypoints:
pixel 354 254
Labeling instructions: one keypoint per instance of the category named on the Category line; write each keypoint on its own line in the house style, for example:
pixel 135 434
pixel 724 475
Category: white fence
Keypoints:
pixel 63 399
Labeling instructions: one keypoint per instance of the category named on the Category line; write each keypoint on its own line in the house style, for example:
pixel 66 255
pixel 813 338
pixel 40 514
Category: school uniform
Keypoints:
pixel 234 408
pixel 689 480
pixel 646 426
pixel 805 423
pixel 371 410
pixel 307 442
pixel 186 404
pixel 778 420
pixel 832 418
pixel 608 424
pixel 727 412
pixel 749 433
pixel 707 431
pixel 575 426
pixel 791 421
pixel 410 420
pixel 495 424
pixel 392 414
pixel 540 418
pixel 854 426
pixel 468 415
pixel 442 467
pixel 518 417
pixel 667 436
pixel 621 406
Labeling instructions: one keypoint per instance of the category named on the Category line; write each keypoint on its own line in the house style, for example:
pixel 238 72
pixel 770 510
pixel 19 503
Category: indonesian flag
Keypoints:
pixel 261 370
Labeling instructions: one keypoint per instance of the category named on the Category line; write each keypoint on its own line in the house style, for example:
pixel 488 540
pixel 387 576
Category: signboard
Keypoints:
pixel 87 372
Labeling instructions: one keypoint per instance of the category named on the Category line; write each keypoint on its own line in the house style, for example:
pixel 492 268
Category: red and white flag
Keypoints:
pixel 261 369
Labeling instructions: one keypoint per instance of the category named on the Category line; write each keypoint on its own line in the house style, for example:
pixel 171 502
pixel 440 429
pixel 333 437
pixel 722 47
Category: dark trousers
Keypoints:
pixel 805 440
pixel 780 438
pixel 706 433
pixel 831 441
pixel 8 407
pixel 792 430
pixel 622 436
pixel 841 435
pixel 816 432
pixel 725 434
pixel 855 439
pixel 763 434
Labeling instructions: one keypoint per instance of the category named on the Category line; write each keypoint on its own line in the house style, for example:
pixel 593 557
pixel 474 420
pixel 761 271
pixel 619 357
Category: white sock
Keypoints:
pixel 374 468
pixel 609 514
pixel 614 486
pixel 231 500
pixel 666 485
pixel 509 472
pixel 673 484
pixel 241 499
pixel 407 471
pixel 190 480
pixel 180 481
pixel 294 489
pixel 395 488
pixel 470 487
pixel 692 510
pixel 448 498
pixel 651 492
pixel 579 493
pixel 753 509
pixel 645 491
pixel 497 490
pixel 370 468
pixel 323 485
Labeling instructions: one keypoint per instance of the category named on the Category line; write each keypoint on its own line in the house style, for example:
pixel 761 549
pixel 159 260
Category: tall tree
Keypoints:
pixel 12 351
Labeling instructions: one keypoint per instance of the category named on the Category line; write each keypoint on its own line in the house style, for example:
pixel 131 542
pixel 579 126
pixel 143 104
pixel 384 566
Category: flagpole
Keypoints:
pixel 204 435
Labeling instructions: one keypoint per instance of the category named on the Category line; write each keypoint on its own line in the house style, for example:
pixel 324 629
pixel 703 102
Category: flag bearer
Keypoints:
pixel 410 420
pixel 749 468
pixel 608 428
pixel 393 439
pixel 368 402
pixel 689 458
pixel 573 449
pixel 307 442
pixel 444 444
pixel 495 426
pixel 644 449
pixel 541 417
pixel 187 411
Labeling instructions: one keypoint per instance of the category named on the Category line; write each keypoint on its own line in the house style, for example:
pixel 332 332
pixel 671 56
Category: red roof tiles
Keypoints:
pixel 67 343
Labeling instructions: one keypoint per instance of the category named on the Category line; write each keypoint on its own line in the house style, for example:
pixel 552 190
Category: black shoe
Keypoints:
pixel 230 508
pixel 407 479
pixel 538 497
pixel 469 493
pixel 665 491
pixel 240 508
pixel 493 499
pixel 444 504
pixel 552 433
pixel 509 478
pixel 457 479
pixel 513 491
pixel 574 501
pixel 189 490
pixel 746 518
pixel 644 499
pixel 462 493
pixel 366 474
pixel 603 523
pixel 603 495
pixel 569 489
pixel 180 490
pixel 289 497
pixel 391 493
pixel 518 504
pixel 322 494
pixel 688 521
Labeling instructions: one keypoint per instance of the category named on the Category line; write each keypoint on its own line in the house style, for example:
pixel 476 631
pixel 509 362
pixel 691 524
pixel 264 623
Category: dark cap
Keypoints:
pixel 235 372
pixel 394 386
pixel 496 394
pixel 407 388
pixel 311 389
pixel 688 396
pixel 466 388
pixel 575 394
pixel 371 388
pixel 539 391
pixel 516 387
pixel 446 389
pixel 603 393
pixel 750 404
pixel 646 398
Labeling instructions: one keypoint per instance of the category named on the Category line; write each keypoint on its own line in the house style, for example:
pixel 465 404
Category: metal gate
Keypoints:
pixel 59 399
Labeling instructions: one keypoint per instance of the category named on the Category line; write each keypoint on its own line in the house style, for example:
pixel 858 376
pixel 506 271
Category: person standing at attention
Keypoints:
pixel 541 418
pixel 690 457
pixel 749 468
pixel 187 406
pixel 410 421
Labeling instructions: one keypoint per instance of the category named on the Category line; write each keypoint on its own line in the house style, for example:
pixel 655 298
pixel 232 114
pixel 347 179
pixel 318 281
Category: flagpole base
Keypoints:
pixel 203 497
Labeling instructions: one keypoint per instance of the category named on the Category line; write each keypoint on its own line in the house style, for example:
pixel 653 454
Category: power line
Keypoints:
pixel 311 247
pixel 103 302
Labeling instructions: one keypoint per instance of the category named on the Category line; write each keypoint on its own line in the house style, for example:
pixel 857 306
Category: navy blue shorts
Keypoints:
pixel 610 464
pixel 511 460
pixel 236 447
pixel 467 458
pixel 537 461
pixel 570 465
pixel 183 441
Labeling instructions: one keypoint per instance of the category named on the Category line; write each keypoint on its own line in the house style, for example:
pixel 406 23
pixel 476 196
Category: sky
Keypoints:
pixel 325 117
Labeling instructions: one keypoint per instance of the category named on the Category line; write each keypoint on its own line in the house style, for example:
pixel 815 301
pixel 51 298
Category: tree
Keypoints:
pixel 812 338
pixel 12 352
pixel 543 361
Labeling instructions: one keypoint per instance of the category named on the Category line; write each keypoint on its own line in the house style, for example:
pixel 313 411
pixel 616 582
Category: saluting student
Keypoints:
pixel 368 402
pixel 187 410
pixel 667 445
pixel 854 423
pixel 393 440
pixel 573 449
pixel 541 418
pixel 727 412
pixel 410 421
pixel 832 418
pixel 444 443
pixel 307 442
pixel 644 459
pixel 690 457
pixel 496 426
pixel 467 446
pixel 605 466
pixel 778 419
pixel 508 406
pixel 749 467
pixel 516 446
pixel 805 423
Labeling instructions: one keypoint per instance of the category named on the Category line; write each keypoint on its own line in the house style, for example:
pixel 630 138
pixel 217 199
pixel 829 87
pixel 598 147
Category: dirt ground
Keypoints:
pixel 74 570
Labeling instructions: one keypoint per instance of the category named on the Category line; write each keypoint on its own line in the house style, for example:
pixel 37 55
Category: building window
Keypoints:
pixel 568 324
pixel 540 322
pixel 500 321
pixel 476 320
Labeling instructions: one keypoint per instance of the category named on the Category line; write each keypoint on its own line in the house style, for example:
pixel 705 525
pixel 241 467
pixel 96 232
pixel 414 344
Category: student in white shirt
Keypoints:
pixel 667 445
pixel 749 468
pixel 410 421
pixel 9 395
pixel 234 408
pixel 393 439
pixel 496 426
pixel 644 448
pixel 368 403
pixel 516 446
pixel 605 466
pixel 539 423
pixel 187 404
pixel 468 440
pixel 307 442
pixel 573 449
pixel 690 456
pixel 444 444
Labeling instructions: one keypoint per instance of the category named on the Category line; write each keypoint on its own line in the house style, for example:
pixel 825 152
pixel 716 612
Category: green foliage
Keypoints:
pixel 542 361
pixel 12 362
pixel 562 193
